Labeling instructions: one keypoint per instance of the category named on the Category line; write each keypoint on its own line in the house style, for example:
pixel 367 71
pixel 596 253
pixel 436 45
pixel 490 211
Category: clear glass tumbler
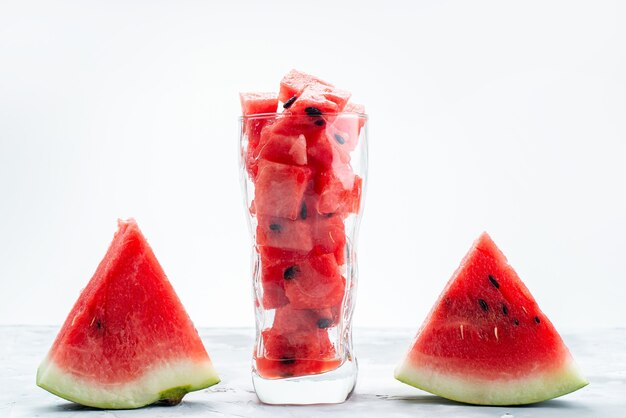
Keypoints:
pixel 303 178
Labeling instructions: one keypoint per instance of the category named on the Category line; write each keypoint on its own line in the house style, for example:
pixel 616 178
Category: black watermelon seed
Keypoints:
pixel 291 272
pixel 289 102
pixel 324 322
pixel 537 320
pixel 99 324
pixel 340 139
pixel 505 310
pixel 516 322
pixel 312 111
pixel 320 122
pixel 275 227
pixel 483 305
pixel 288 360
pixel 494 282
pixel 303 212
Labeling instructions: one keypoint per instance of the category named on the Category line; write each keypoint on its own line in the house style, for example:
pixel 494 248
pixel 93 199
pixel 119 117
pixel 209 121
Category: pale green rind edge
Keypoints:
pixel 179 378
pixel 534 388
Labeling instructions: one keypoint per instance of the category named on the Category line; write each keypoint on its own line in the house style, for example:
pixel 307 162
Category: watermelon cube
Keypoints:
pixel 316 283
pixel 347 128
pixel 294 82
pixel 258 103
pixel 317 102
pixel 288 320
pixel 329 237
pixel 336 190
pixel 272 285
pixel 325 152
pixel 279 189
pixel 253 129
pixel 252 104
pixel 355 108
pixel 302 345
pixel 285 149
pixel 295 353
pixel 284 234
pixel 313 102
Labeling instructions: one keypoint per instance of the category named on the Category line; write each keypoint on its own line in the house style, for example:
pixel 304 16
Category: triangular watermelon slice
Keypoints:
pixel 487 342
pixel 128 341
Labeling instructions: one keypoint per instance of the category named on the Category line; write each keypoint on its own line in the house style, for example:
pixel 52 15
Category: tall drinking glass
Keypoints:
pixel 303 179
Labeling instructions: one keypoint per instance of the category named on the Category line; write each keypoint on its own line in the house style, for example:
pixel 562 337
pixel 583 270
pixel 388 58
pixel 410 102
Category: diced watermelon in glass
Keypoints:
pixel 279 189
pixel 316 283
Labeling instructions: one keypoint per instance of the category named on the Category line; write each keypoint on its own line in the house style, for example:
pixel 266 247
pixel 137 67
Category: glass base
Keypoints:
pixel 331 387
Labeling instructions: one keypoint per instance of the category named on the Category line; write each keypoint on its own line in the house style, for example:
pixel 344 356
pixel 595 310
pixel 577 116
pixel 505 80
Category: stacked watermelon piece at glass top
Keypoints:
pixel 305 188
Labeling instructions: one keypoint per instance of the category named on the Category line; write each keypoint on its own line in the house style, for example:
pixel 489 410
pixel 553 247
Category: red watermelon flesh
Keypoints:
pixel 346 131
pixel 258 103
pixel 285 149
pixel 295 353
pixel 338 190
pixel 254 128
pixel 273 266
pixel 315 283
pixel 316 101
pixel 279 189
pixel 312 102
pixel 292 124
pixel 128 341
pixel 325 153
pixel 272 284
pixel 311 91
pixel 486 341
pixel 253 104
pixel 287 319
pixel 329 236
pixel 294 82
pixel 284 234
pixel 355 108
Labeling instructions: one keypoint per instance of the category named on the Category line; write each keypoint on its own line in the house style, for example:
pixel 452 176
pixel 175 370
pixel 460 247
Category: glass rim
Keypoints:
pixel 358 115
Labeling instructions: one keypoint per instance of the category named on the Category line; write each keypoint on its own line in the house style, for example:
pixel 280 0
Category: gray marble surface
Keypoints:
pixel 600 353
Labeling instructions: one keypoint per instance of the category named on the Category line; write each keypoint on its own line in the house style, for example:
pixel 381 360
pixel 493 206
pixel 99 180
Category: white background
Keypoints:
pixel 508 117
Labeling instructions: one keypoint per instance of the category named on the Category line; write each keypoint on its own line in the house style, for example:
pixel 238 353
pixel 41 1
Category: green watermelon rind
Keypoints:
pixel 164 382
pixel 534 387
